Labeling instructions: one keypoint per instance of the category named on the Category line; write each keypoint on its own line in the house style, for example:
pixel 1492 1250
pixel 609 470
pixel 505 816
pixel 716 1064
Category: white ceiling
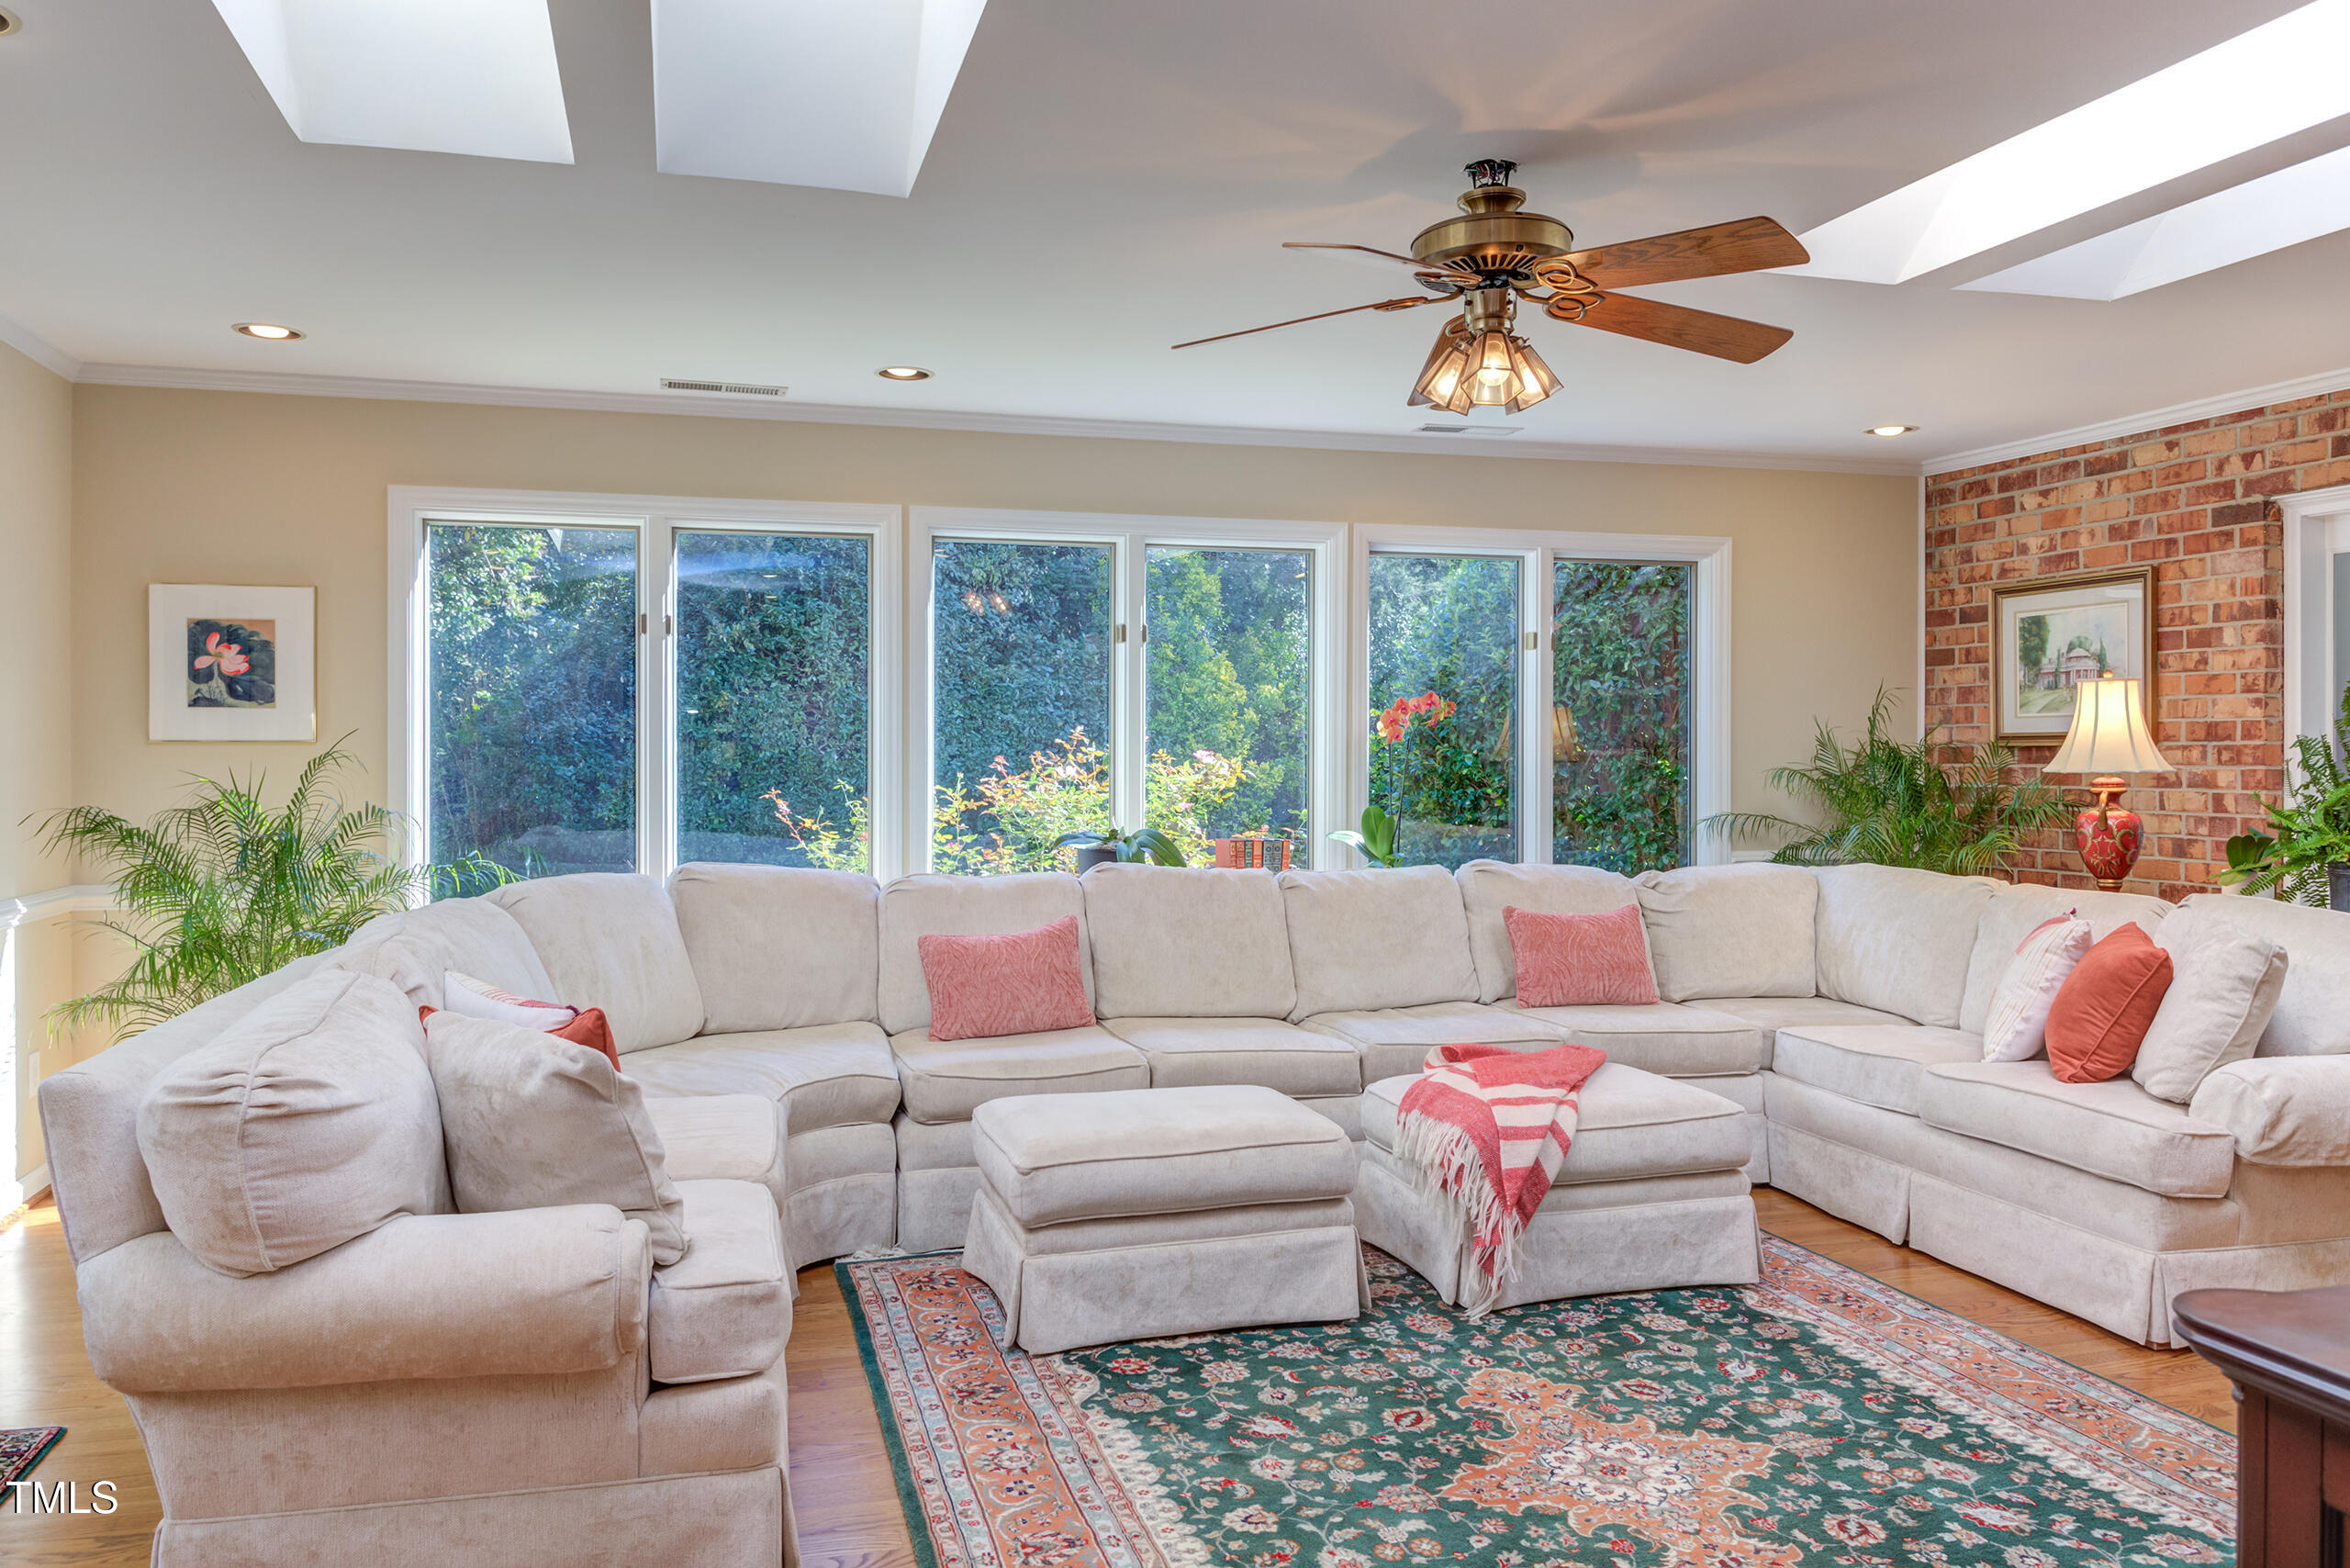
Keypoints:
pixel 1108 178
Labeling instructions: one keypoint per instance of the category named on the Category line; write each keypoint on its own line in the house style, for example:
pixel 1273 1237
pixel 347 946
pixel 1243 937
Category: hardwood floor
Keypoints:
pixel 842 1487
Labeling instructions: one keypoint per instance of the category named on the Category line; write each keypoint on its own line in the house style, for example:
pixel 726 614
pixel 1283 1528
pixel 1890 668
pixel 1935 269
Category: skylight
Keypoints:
pixel 805 92
pixel 2281 77
pixel 2234 224
pixel 470 76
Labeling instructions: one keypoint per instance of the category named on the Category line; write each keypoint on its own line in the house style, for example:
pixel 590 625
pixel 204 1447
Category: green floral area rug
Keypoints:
pixel 1817 1417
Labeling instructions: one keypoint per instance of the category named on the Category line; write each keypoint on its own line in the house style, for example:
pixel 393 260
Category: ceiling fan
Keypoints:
pixel 1495 254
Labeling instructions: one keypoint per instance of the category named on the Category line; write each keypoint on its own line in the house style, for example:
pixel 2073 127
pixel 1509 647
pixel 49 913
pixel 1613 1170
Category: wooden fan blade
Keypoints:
pixel 1677 326
pixel 1404 304
pixel 1745 245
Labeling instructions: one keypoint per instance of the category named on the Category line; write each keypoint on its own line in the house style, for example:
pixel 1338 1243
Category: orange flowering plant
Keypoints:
pixel 1405 711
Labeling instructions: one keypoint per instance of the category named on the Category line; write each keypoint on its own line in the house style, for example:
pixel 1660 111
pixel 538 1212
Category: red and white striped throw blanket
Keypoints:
pixel 1486 1126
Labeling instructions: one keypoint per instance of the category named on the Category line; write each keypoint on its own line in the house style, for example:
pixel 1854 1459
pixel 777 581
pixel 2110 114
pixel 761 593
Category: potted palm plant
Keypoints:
pixel 2306 858
pixel 1101 847
pixel 223 888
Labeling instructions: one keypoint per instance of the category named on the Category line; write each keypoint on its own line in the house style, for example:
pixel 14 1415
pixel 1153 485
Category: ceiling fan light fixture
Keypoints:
pixel 1444 379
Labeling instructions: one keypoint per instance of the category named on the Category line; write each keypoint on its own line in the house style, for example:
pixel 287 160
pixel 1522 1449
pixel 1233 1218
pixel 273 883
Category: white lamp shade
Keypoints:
pixel 2108 733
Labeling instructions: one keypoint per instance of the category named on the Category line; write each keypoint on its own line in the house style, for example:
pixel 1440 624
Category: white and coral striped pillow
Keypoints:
pixel 2017 1026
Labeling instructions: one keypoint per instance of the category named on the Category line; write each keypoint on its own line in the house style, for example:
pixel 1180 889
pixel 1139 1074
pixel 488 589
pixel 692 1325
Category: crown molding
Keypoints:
pixel 40 350
pixel 83 898
pixel 2146 423
pixel 278 384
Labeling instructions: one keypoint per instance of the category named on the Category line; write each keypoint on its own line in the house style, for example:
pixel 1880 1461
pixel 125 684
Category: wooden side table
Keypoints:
pixel 2288 1353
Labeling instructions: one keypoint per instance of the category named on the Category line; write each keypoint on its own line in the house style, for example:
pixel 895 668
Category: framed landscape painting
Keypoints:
pixel 230 663
pixel 2051 634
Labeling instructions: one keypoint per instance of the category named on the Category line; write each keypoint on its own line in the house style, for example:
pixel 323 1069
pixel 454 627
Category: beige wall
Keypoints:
pixel 36 736
pixel 205 486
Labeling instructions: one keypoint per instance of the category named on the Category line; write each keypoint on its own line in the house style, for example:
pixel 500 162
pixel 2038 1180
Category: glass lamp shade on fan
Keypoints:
pixel 2108 738
pixel 1493 368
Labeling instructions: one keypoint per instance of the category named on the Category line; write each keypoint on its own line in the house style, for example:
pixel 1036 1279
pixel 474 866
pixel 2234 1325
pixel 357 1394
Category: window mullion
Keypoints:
pixel 1535 807
pixel 657 699
pixel 1130 745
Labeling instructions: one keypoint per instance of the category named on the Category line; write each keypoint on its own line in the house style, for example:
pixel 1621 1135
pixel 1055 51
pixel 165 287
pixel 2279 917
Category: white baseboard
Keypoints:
pixel 24 1189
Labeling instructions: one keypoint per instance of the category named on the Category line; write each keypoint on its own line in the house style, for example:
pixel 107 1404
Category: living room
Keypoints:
pixel 1000 800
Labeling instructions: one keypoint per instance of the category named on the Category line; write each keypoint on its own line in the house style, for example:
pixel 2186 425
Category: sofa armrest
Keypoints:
pixel 529 1291
pixel 2283 1109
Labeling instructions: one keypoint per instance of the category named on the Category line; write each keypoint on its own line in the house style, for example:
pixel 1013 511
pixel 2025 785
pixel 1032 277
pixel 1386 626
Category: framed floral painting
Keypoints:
pixel 231 664
pixel 2049 634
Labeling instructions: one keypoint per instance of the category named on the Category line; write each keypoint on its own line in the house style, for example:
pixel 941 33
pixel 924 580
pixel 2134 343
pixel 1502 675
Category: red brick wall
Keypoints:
pixel 2194 501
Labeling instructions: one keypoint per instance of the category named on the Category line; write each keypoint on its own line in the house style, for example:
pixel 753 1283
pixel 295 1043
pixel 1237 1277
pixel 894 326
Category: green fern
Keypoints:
pixel 222 889
pixel 2313 828
pixel 1891 803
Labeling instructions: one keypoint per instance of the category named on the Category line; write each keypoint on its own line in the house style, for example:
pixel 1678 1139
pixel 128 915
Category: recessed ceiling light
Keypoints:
pixel 9 23
pixel 269 329
pixel 2280 77
pixel 1889 430
pixel 902 372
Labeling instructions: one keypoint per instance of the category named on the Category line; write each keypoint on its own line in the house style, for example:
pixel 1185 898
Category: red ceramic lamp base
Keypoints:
pixel 2107 835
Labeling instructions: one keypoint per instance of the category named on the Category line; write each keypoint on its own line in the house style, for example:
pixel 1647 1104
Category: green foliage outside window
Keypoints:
pixel 1619 637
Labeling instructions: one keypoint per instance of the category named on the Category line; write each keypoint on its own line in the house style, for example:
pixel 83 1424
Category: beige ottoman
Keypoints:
pixel 1649 1196
pixel 1143 1212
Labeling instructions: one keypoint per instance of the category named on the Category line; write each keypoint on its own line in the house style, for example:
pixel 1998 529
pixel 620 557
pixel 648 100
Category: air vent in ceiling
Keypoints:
pixel 1470 430
pixel 729 388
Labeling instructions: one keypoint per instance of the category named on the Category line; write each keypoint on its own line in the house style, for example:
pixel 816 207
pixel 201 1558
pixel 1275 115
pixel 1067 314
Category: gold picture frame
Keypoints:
pixel 2048 634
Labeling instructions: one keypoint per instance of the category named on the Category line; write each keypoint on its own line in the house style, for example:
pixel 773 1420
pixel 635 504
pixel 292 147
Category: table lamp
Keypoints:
pixel 2108 738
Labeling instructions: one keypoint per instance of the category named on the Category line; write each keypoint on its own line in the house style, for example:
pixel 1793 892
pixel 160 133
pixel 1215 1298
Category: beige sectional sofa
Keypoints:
pixel 778 1022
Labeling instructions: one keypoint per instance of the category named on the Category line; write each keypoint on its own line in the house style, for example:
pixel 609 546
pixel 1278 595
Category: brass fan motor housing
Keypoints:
pixel 1493 235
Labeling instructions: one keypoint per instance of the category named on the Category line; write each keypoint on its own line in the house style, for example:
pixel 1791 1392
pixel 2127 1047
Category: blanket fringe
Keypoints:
pixel 1445 1166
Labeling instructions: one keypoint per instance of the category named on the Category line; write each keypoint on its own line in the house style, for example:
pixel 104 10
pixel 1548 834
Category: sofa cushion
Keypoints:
pixel 1878 1064
pixel 611 940
pixel 1731 930
pixel 1187 1053
pixel 1770 1014
pixel 944 1080
pixel 532 1122
pixel 829 1075
pixel 2224 986
pixel 2105 1006
pixel 303 1124
pixel 724 1309
pixel 780 947
pixel 2313 1016
pixel 1014 982
pixel 1373 939
pixel 2113 1129
pixel 1397 1039
pixel 916 907
pixel 1581 960
pixel 1180 942
pixel 2016 1028
pixel 1488 887
pixel 1663 1037
pixel 1632 1124
pixel 1159 1151
pixel 2009 917
pixel 722 1138
pixel 1898 939
pixel 416 949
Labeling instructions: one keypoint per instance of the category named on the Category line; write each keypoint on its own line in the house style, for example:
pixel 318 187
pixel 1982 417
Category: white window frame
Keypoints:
pixel 1540 551
pixel 1130 536
pixel 2317 527
pixel 657 519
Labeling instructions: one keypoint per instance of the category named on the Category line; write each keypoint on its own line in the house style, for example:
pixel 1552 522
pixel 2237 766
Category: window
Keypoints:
pixel 774 682
pixel 532 696
pixel 1444 678
pixel 1465 712
pixel 1021 701
pixel 625 683
pixel 1089 672
pixel 1619 713
pixel 1229 673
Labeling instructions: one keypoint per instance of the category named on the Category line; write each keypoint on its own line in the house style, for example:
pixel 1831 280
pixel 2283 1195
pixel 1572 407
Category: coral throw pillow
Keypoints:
pixel 1025 983
pixel 470 998
pixel 2017 1025
pixel 1580 960
pixel 2104 1008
